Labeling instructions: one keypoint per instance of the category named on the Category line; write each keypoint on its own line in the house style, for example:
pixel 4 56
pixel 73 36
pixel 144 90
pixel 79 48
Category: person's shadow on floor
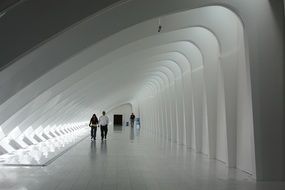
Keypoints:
pixel 93 150
pixel 104 147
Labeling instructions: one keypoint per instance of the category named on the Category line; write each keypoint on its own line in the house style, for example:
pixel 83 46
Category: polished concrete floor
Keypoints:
pixel 129 159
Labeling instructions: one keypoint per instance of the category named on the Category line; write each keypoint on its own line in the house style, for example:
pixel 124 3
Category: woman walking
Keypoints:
pixel 93 124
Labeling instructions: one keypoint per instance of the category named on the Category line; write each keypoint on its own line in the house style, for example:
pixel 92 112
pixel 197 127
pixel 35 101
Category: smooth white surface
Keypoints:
pixel 173 79
pixel 130 159
pixel 174 60
pixel 43 152
pixel 125 110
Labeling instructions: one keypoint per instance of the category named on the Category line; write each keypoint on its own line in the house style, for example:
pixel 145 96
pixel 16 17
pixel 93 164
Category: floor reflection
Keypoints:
pixel 93 150
pixel 118 128
pixel 134 132
pixel 119 162
pixel 103 147
pixel 9 182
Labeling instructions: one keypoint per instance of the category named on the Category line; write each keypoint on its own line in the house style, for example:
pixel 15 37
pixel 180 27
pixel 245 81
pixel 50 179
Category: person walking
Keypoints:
pixel 93 124
pixel 132 119
pixel 103 122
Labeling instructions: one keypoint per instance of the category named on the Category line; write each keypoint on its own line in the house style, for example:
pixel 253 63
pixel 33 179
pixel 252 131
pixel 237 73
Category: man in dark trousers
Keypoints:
pixel 93 124
pixel 103 122
pixel 132 119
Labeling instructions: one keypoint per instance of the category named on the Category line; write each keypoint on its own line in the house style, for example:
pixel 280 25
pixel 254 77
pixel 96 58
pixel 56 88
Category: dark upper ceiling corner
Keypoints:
pixel 7 4
pixel 28 23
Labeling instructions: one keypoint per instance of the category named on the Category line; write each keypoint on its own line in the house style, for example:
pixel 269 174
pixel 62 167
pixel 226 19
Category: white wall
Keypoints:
pixel 125 110
pixel 117 69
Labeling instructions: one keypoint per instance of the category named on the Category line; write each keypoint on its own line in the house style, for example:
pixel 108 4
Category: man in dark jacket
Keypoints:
pixel 132 119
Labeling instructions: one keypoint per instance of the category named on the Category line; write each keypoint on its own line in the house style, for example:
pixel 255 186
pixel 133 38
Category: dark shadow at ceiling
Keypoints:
pixel 32 22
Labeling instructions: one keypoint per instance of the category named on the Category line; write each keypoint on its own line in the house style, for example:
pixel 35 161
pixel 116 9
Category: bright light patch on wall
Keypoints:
pixel 39 147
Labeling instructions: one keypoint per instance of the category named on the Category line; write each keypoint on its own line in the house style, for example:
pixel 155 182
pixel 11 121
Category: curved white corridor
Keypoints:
pixel 203 83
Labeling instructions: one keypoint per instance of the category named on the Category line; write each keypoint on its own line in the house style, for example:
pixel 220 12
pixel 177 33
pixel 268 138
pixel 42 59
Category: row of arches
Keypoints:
pixel 190 84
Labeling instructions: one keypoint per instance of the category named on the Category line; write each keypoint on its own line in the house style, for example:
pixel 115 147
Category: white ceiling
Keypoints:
pixel 119 69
